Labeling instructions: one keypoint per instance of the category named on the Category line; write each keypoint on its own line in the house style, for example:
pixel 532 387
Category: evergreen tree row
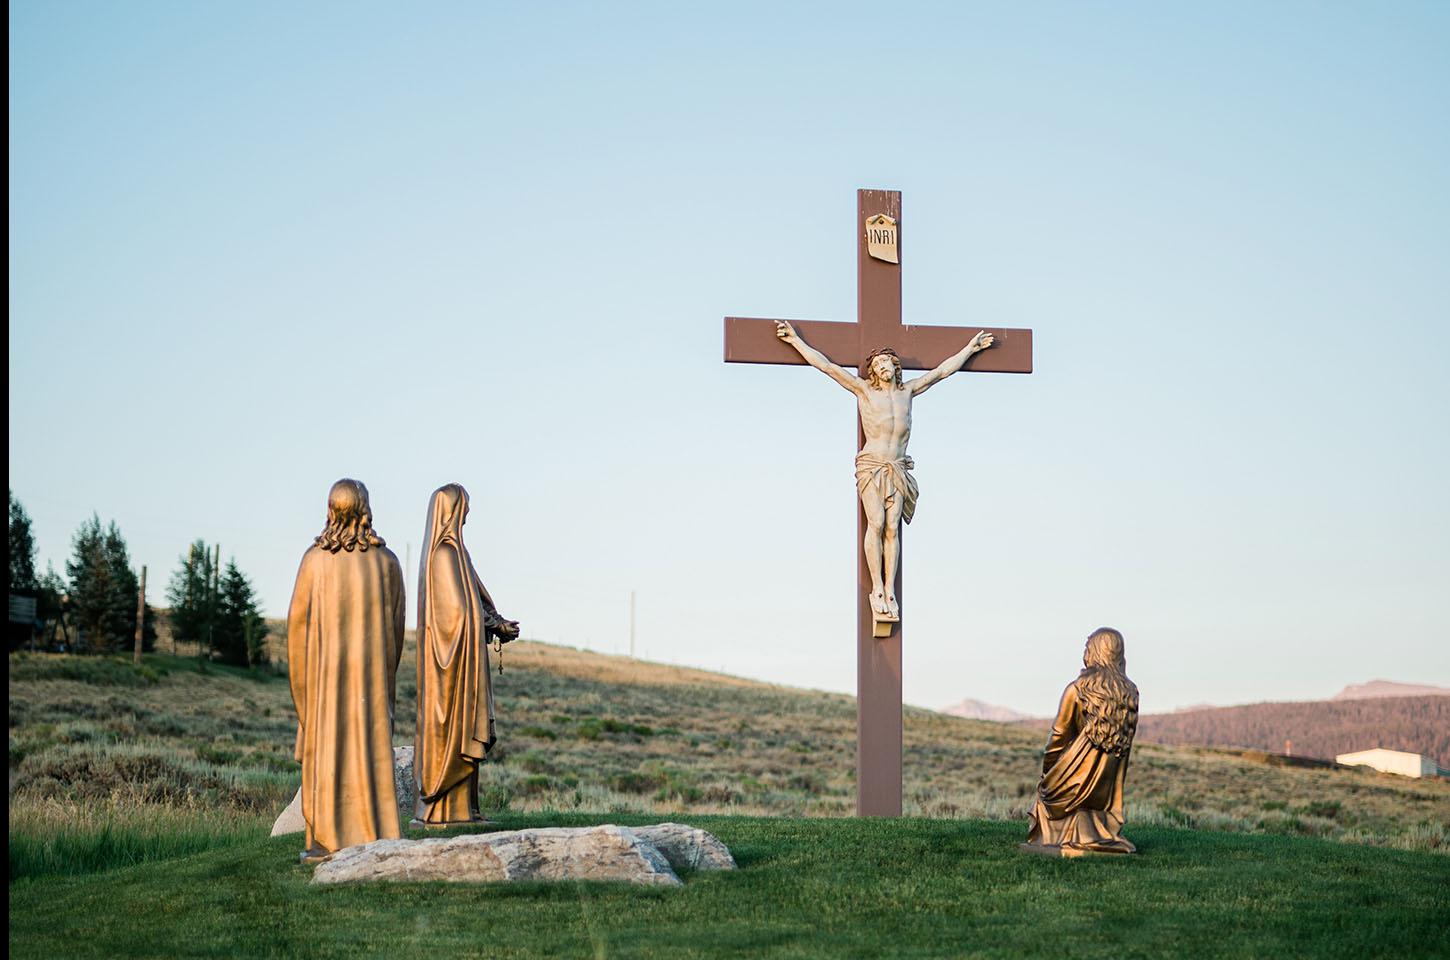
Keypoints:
pixel 93 608
pixel 217 608
pixel 103 591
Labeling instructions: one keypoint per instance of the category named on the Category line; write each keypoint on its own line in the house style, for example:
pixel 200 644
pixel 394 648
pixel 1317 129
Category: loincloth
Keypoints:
pixel 891 477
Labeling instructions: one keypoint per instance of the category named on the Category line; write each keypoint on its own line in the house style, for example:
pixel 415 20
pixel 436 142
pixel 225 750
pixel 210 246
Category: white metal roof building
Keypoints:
pixel 1391 761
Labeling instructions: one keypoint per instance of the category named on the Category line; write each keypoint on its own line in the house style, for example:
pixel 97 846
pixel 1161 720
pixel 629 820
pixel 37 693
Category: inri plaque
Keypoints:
pixel 881 238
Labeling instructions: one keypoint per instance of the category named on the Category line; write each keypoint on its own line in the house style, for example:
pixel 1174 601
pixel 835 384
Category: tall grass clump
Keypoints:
pixel 68 839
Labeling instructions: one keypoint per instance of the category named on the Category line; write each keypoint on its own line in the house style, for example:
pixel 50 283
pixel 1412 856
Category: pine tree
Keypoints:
pixel 22 549
pixel 126 585
pixel 88 574
pixel 102 586
pixel 51 606
pixel 193 606
pixel 241 632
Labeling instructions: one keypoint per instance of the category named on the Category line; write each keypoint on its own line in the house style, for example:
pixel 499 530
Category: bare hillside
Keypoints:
pixel 1323 728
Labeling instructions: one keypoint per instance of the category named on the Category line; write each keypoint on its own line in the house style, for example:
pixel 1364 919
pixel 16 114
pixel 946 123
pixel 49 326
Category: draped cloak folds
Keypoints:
pixel 344 641
pixel 1080 796
pixel 455 693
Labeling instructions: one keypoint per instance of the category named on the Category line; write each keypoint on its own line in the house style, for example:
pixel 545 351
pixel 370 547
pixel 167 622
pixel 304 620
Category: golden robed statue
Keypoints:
pixel 1079 805
pixel 344 640
pixel 456 618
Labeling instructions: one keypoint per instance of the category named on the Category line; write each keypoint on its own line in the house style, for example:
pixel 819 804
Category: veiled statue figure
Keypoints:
pixel 344 640
pixel 456 618
pixel 1079 805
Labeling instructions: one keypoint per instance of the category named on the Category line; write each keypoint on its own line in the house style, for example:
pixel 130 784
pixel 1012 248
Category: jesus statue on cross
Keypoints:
pixel 884 482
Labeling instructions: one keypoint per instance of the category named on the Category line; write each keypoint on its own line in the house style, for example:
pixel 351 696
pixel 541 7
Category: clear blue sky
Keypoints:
pixel 256 247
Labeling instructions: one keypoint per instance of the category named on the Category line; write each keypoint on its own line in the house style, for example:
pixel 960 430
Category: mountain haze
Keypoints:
pixel 978 710
pixel 1388 688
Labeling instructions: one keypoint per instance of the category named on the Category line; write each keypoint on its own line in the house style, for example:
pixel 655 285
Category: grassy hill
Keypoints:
pixel 93 738
pixel 140 802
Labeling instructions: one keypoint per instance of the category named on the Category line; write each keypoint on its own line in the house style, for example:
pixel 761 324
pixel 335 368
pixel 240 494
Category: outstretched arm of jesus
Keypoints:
pixel 949 366
pixel 818 360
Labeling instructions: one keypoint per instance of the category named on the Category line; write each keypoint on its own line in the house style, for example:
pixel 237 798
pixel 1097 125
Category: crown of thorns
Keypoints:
pixel 883 351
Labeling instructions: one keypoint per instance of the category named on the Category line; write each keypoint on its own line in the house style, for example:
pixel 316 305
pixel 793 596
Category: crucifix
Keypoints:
pixel 884 484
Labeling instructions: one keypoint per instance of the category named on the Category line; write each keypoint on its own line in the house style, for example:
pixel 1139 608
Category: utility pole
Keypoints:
pixel 209 597
pixel 140 615
pixel 64 627
pixel 216 583
pixel 631 624
pixel 191 556
pixel 197 558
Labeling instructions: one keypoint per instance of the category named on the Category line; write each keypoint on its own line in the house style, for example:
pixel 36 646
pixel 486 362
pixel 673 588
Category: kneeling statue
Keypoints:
pixel 1079 805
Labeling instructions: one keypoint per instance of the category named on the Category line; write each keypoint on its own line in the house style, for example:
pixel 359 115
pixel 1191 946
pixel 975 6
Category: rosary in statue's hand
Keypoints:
pixel 503 632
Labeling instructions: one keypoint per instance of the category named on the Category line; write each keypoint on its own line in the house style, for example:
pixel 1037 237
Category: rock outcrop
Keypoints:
pixel 687 847
pixel 551 853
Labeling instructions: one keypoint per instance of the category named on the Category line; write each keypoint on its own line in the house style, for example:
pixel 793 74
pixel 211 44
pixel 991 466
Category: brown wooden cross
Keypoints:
pixel 878 324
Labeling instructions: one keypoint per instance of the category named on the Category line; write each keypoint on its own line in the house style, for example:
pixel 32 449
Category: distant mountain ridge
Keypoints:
pixel 978 710
pixel 1389 688
pixel 1371 690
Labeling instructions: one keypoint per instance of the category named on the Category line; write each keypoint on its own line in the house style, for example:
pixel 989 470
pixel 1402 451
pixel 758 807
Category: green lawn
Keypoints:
pixel 806 888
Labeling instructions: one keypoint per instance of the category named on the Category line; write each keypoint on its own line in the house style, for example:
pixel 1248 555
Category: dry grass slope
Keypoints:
pixel 592 733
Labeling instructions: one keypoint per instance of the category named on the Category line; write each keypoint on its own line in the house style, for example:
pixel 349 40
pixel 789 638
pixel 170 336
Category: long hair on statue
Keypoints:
pixel 349 519
pixel 1109 699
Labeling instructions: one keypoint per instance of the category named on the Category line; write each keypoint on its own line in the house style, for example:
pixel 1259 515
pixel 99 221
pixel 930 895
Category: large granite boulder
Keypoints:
pixel 552 853
pixel 290 820
pixel 687 847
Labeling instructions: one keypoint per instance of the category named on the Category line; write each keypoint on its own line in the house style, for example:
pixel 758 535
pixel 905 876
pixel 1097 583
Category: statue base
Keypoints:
pixel 882 628
pixel 1047 850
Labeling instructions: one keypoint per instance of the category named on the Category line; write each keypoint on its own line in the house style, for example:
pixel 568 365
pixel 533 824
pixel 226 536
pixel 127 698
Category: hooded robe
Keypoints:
pixel 1080 796
pixel 455 694
pixel 344 641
